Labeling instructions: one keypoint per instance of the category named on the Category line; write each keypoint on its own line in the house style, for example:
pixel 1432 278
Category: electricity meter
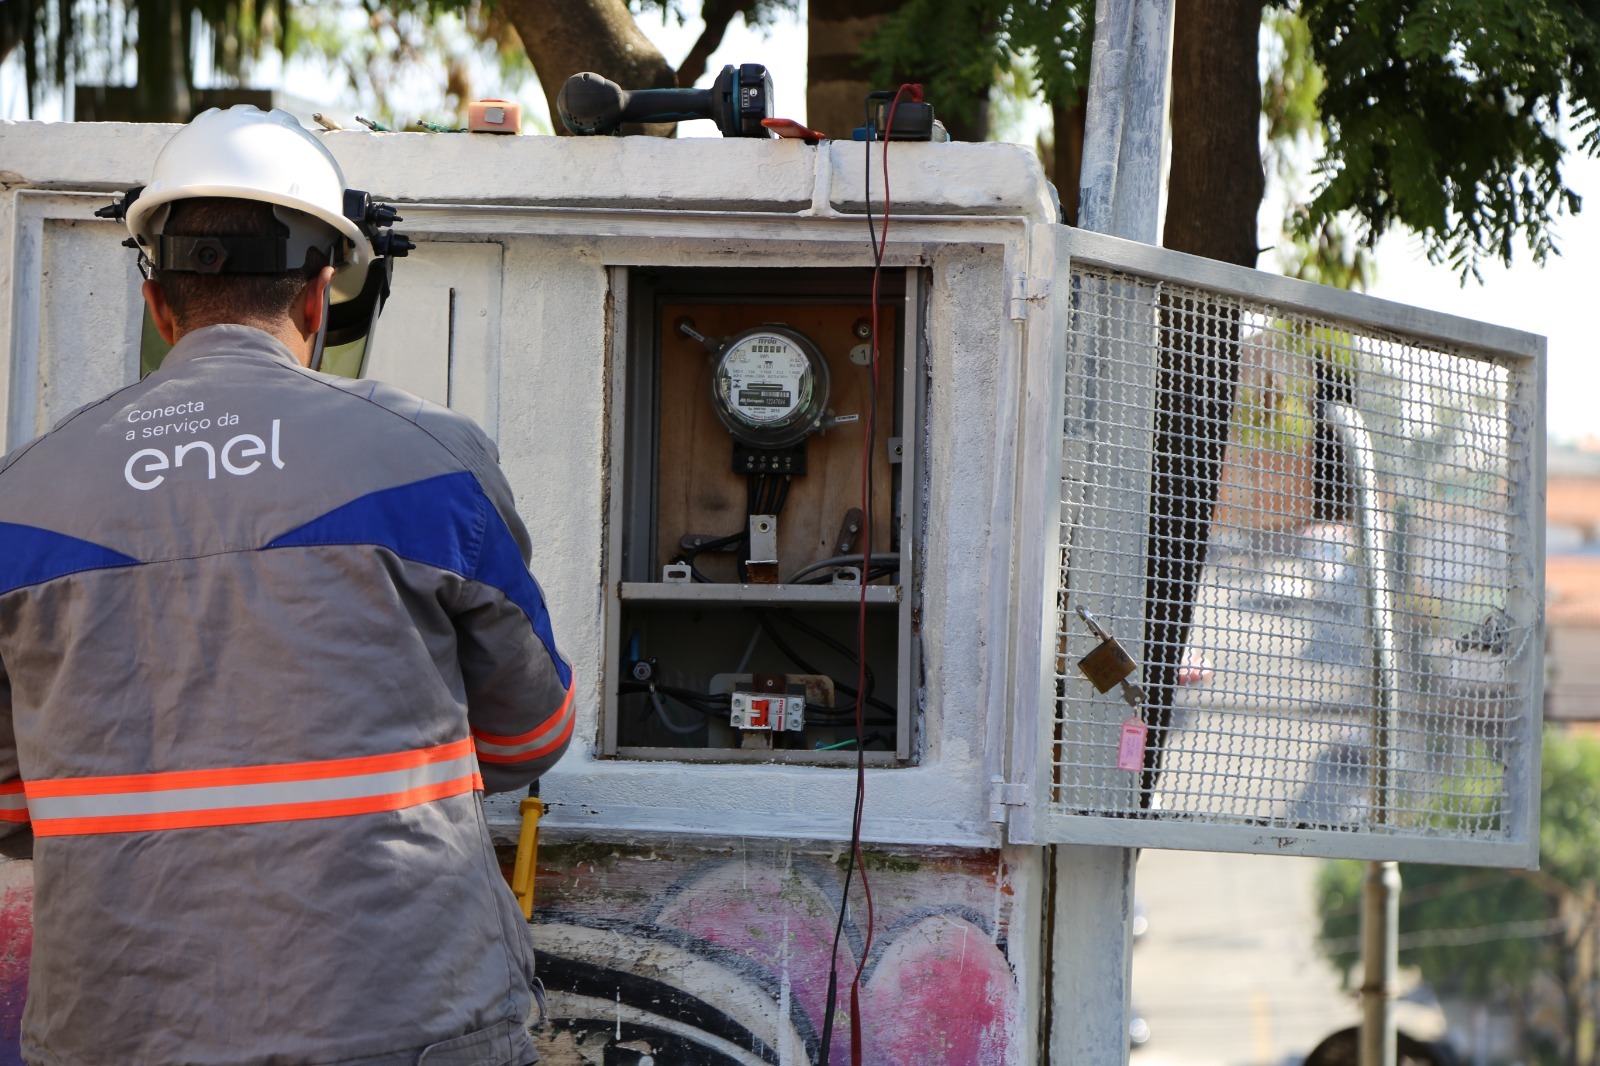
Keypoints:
pixel 769 386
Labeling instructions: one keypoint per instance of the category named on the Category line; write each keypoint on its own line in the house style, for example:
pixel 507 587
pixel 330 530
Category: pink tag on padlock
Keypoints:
pixel 1130 752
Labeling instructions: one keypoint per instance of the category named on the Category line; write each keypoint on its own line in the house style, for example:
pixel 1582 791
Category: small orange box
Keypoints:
pixel 494 116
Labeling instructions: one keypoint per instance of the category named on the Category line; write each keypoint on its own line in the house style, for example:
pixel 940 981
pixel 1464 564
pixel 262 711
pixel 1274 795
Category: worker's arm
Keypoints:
pixel 16 832
pixel 519 689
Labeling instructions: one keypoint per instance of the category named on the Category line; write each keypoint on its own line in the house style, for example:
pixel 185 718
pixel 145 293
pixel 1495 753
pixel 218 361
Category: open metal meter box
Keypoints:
pixel 1310 518
pixel 759 449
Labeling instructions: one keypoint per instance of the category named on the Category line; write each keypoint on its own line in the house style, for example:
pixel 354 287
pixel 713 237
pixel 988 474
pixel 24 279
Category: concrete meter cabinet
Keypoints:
pixel 670 341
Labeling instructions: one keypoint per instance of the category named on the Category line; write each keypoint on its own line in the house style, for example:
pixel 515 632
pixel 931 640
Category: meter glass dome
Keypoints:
pixel 770 386
pixel 765 379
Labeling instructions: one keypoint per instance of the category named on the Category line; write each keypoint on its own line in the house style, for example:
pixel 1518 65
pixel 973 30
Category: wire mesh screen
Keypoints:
pixel 1311 537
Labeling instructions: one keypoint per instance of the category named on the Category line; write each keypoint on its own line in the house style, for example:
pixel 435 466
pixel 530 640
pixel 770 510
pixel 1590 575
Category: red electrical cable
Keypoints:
pixel 880 242
pixel 881 245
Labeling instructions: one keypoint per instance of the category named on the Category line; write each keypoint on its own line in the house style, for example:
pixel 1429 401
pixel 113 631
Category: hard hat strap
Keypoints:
pixel 224 255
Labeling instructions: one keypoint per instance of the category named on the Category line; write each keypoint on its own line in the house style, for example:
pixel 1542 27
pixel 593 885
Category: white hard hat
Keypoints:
pixel 249 154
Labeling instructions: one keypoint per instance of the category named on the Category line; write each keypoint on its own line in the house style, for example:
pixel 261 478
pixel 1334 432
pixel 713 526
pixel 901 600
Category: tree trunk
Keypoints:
pixel 162 91
pixel 837 81
pixel 1066 155
pixel 1216 182
pixel 1213 196
pixel 566 37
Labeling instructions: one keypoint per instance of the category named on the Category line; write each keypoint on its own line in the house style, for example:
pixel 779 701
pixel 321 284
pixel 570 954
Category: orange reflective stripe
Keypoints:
pixel 13 803
pixel 281 792
pixel 248 775
pixel 534 753
pixel 533 735
pixel 493 748
pixel 285 812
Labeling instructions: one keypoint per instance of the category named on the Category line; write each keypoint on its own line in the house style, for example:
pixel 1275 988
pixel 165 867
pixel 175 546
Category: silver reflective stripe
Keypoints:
pixel 13 801
pixel 516 749
pixel 227 797
pixel 543 737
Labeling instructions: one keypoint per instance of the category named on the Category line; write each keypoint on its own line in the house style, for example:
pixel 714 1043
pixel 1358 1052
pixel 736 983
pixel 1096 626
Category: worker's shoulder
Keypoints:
pixel 455 432
pixel 13 458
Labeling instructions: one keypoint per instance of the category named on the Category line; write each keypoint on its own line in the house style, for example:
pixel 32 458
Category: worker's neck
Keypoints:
pixel 285 330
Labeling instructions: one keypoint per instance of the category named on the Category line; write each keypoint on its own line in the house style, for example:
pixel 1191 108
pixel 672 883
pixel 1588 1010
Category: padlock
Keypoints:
pixel 1107 666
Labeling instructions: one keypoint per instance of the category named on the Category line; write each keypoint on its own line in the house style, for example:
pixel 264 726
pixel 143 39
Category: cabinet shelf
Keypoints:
pixel 710 594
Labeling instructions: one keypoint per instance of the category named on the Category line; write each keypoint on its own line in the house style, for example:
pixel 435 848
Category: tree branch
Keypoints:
pixel 566 37
pixel 717 14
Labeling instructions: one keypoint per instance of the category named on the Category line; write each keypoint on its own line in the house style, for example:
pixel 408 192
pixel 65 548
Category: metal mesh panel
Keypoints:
pixel 1305 532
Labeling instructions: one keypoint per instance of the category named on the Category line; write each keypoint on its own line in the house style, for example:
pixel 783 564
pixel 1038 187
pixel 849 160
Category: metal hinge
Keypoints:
pixel 1026 289
pixel 1003 794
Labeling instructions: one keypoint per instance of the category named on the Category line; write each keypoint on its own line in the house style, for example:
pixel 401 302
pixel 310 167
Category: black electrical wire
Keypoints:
pixel 753 488
pixel 884 559
pixel 703 702
pixel 764 494
pixel 842 650
pixel 806 667
pixel 861 630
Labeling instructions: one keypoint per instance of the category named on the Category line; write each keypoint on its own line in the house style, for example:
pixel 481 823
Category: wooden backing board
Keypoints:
pixel 697 490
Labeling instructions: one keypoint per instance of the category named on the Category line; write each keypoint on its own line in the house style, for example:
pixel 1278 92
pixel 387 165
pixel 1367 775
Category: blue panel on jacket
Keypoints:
pixel 443 521
pixel 31 556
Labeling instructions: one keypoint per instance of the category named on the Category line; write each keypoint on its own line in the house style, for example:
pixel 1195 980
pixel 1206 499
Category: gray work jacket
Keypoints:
pixel 267 636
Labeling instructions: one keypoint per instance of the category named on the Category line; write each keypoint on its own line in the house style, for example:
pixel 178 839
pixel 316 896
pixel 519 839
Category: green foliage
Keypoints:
pixel 373 45
pixel 1293 80
pixel 1446 118
pixel 1325 252
pixel 1481 932
pixel 965 46
pixel 1569 831
pixel 377 48
pixel 62 37
pixel 759 13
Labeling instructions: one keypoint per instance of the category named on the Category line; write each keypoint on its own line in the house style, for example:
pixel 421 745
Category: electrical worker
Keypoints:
pixel 266 635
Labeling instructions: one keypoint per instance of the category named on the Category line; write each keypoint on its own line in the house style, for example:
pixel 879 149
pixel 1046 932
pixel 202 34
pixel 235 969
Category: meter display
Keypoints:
pixel 764 379
pixel 770 386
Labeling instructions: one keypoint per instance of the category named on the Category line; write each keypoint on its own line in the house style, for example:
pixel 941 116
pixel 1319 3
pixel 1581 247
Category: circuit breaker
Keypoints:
pixel 763 565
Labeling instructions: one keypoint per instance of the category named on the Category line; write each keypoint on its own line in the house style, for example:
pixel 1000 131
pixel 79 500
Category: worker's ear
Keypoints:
pixel 155 298
pixel 314 301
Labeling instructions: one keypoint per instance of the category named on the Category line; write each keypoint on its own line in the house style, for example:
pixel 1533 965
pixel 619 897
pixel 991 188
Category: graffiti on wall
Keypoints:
pixel 721 958
pixel 16 948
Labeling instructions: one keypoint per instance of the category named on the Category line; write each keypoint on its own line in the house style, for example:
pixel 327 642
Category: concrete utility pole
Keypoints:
pixel 1380 896
pixel 1380 962
pixel 1120 194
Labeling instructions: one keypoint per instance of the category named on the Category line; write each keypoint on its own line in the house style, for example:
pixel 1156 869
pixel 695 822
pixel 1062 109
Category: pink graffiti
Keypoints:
pixel 16 949
pixel 940 994
pixel 939 991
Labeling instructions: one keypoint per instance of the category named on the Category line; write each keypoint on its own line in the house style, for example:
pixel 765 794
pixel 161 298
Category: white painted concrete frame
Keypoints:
pixel 104 332
pixel 945 800
pixel 555 268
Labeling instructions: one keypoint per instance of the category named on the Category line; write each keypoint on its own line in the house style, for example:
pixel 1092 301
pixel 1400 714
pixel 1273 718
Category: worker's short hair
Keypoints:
pixel 205 299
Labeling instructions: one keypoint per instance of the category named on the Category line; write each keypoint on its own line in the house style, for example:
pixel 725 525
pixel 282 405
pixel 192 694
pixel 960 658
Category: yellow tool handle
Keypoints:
pixel 526 866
